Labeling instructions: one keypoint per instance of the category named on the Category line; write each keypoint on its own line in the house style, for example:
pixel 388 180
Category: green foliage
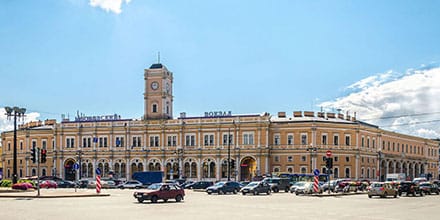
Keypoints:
pixel 5 183
pixel 27 181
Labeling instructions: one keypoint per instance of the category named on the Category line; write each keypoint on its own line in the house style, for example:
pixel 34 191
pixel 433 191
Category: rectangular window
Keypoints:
pixel 303 158
pixel 34 143
pixel 368 142
pixel 208 140
pixel 100 142
pixel 190 140
pixel 304 139
pixel 277 158
pixel 105 141
pixel 290 139
pixel 347 159
pixel 119 141
pixel 324 139
pixel 277 139
pixel 374 143
pixel 44 144
pixel 70 142
pixel 362 141
pixel 290 159
pixel 154 141
pixel 248 139
pixel 84 142
pixel 225 139
pixel 347 140
pixel 336 140
pixel 336 159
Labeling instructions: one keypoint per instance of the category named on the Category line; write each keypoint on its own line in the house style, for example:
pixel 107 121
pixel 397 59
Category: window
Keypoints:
pixel 324 139
pixel 119 141
pixel 290 159
pixel 44 144
pixel 362 141
pixel 172 140
pixel 304 139
pixel 154 141
pixel 248 139
pixel 9 146
pixel 303 158
pixel 347 172
pixel 347 159
pixel 209 140
pixel 70 142
pixel 21 145
pixel 276 139
pixel 101 141
pixel 137 141
pixel 276 169
pixel 105 141
pixel 368 142
pixel 289 139
pixel 336 139
pixel 190 140
pixel 276 158
pixel 154 108
pixel 336 159
pixel 347 140
pixel 374 143
pixel 225 139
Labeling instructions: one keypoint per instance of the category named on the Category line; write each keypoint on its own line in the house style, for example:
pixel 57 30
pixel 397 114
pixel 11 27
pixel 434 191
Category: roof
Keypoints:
pixel 156 66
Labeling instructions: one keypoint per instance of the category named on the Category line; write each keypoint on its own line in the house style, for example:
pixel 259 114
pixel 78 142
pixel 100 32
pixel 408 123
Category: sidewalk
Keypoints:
pixel 49 193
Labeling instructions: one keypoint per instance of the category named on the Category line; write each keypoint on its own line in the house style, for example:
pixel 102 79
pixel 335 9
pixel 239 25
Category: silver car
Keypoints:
pixel 131 184
pixel 382 189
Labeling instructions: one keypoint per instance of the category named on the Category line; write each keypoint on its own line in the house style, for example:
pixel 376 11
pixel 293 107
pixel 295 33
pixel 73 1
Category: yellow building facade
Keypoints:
pixel 198 148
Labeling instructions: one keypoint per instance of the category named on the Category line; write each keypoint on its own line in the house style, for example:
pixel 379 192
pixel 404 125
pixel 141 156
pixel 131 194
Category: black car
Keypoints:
pixel 429 188
pixel 200 185
pixel 65 184
pixel 256 188
pixel 224 187
pixel 410 188
pixel 277 184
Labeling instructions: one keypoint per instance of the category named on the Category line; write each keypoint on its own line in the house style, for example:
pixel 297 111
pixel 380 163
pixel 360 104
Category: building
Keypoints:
pixel 199 147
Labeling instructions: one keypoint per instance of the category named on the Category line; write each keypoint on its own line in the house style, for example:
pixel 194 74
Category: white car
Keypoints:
pixel 131 184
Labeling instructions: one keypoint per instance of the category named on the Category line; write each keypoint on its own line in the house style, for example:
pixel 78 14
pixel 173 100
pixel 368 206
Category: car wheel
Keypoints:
pixel 154 199
pixel 235 191
pixel 140 200
pixel 268 192
pixel 209 193
pixel 395 195
pixel 437 192
pixel 296 193
pixel 286 189
pixel 255 193
pixel 400 193
pixel 179 198
pixel 369 196
pixel 243 193
pixel 276 190
pixel 421 193
pixel 165 200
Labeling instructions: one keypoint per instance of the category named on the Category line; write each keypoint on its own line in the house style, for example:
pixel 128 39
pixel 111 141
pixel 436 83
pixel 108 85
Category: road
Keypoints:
pixel 199 205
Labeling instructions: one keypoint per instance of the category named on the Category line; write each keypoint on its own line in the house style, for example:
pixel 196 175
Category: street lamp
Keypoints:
pixel 380 157
pixel 16 112
pixel 311 150
pixel 229 151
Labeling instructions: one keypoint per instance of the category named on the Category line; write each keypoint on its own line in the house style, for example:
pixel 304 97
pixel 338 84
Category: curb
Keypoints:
pixel 339 194
pixel 52 196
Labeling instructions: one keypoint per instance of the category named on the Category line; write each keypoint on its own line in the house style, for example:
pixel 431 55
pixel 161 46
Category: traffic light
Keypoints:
pixel 329 163
pixel 34 155
pixel 43 155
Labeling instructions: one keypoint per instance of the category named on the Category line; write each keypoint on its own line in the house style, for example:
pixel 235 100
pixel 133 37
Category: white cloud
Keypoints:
pixel 8 124
pixel 109 5
pixel 377 99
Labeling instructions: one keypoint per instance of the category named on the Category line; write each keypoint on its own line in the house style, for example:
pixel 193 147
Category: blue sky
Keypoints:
pixel 60 56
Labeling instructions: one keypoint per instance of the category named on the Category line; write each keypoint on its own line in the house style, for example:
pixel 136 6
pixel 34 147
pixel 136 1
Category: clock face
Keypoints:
pixel 154 85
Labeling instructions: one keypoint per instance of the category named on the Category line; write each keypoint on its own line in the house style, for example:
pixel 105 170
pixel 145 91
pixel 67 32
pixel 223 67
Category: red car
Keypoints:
pixel 48 184
pixel 22 186
pixel 163 191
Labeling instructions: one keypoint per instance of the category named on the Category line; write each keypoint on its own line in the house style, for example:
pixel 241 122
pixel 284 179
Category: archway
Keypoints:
pixel 248 168
pixel 69 172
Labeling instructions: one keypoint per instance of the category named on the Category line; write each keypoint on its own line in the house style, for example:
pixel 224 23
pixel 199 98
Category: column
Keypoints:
pixel 127 169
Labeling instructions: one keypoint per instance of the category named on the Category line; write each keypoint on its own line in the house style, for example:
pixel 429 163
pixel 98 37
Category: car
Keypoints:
pixel 296 186
pixel 160 191
pixel 278 184
pixel 325 186
pixel 200 185
pixel 429 188
pixel 224 187
pixel 131 184
pixel 382 189
pixel 48 184
pixel 256 188
pixel 307 188
pixel 409 188
pixel 186 184
pixel 65 184
pixel 22 186
pixel 419 180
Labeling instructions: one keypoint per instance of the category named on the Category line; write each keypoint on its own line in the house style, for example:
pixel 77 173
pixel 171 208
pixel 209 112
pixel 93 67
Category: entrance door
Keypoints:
pixel 248 168
pixel 69 172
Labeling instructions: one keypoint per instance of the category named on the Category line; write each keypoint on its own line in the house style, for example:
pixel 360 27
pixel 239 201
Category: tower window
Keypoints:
pixel 154 108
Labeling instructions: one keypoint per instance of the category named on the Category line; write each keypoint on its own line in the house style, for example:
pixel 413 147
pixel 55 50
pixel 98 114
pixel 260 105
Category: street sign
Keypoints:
pixel 328 153
pixel 316 172
pixel 98 171
pixel 76 166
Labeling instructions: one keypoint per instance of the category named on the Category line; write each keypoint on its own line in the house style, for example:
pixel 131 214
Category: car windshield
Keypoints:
pixel 220 184
pixel 155 186
pixel 253 184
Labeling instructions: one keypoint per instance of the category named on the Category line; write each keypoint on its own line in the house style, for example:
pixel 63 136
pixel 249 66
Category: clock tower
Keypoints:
pixel 158 96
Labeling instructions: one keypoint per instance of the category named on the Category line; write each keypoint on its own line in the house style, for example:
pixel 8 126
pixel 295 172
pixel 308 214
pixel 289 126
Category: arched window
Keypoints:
pixel 154 108
pixel 303 170
pixel 290 170
pixel 336 172
pixel 43 172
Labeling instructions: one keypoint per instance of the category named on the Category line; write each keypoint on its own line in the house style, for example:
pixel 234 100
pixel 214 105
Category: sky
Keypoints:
pixel 380 59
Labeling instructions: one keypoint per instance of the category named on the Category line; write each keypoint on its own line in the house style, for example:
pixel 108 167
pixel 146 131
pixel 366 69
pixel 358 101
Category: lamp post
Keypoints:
pixel 379 157
pixel 229 151
pixel 312 150
pixel 15 112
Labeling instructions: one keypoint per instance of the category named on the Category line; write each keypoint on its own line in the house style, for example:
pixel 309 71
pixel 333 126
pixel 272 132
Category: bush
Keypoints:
pixel 27 181
pixel 6 183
